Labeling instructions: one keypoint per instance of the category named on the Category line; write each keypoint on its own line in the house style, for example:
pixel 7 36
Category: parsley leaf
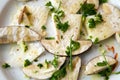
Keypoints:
pixel 102 1
pixel 73 46
pixel 49 38
pixel 59 74
pixel 104 63
pixel 96 40
pixel 6 65
pixel 40 65
pixel 88 9
pixel 63 26
pixel 55 61
pixel 27 63
pixel 91 23
pixel 43 27
pixel 98 18
pixel 50 6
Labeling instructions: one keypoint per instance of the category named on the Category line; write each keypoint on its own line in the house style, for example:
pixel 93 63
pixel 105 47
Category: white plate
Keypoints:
pixel 9 7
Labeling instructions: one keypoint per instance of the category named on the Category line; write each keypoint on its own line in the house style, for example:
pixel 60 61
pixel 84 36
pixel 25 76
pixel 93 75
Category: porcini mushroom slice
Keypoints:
pixel 60 48
pixel 68 6
pixel 92 67
pixel 117 36
pixel 110 24
pixel 59 45
pixel 74 73
pixel 96 2
pixel 33 14
pixel 17 55
pixel 12 34
pixel 43 73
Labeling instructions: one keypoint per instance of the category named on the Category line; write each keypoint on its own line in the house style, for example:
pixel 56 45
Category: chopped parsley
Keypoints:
pixel 5 65
pixel 116 72
pixel 43 27
pixel 40 65
pixel 96 40
pixel 88 9
pixel 104 63
pixel 50 6
pixel 92 22
pixel 63 26
pixel 23 46
pixel 27 63
pixel 102 1
pixel 46 65
pixel 73 46
pixel 55 61
pixel 49 38
pixel 59 74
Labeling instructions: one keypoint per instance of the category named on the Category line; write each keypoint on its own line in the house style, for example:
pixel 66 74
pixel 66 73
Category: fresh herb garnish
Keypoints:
pixel 88 9
pixel 40 65
pixel 23 46
pixel 49 38
pixel 27 63
pixel 5 65
pixel 50 6
pixel 96 40
pixel 63 26
pixel 43 27
pixel 55 61
pixel 102 1
pixel 92 22
pixel 116 72
pixel 104 63
pixel 46 65
pixel 59 74
pixel 73 46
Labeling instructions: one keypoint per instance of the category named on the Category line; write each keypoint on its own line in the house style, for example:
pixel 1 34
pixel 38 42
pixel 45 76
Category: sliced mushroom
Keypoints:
pixel 117 36
pixel 43 73
pixel 58 46
pixel 33 15
pixel 68 6
pixel 92 67
pixel 13 34
pixel 73 75
pixel 17 56
pixel 96 2
pixel 109 25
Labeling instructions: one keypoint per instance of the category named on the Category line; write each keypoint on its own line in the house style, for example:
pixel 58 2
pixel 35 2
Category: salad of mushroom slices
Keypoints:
pixel 62 40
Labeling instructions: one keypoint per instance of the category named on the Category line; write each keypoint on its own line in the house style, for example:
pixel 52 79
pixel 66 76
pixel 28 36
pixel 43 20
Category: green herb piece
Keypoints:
pixel 88 9
pixel 23 46
pixel 96 40
pixel 98 18
pixel 50 6
pixel 60 13
pixel 55 61
pixel 5 65
pixel 63 26
pixel 104 63
pixel 40 65
pixel 43 27
pixel 91 23
pixel 49 38
pixel 46 65
pixel 27 26
pixel 102 1
pixel 116 72
pixel 73 46
pixel 59 74
pixel 27 63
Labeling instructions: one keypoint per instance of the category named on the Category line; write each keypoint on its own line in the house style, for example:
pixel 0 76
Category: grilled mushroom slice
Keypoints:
pixel 59 45
pixel 68 6
pixel 24 51
pixel 108 26
pixel 117 36
pixel 42 73
pixel 33 15
pixel 94 66
pixel 73 75
pixel 13 34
